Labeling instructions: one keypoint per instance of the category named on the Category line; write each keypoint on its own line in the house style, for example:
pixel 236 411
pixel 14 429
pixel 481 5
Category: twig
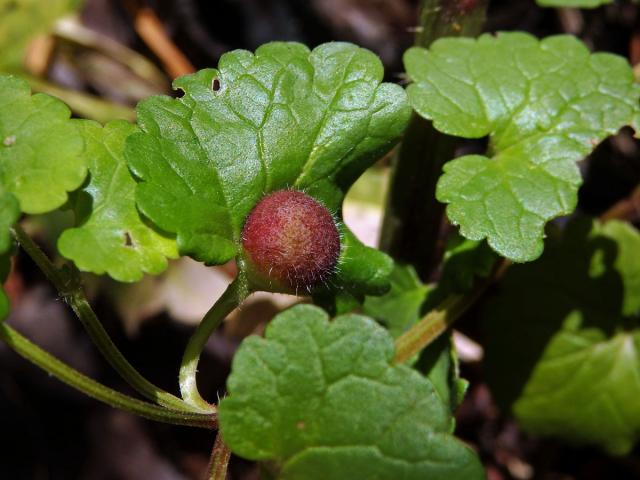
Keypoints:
pixel 626 209
pixel 151 30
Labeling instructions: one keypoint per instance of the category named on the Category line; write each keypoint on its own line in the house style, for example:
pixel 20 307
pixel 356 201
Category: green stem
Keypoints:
pixel 436 322
pixel 90 387
pixel 235 293
pixel 219 460
pixel 413 217
pixel 69 288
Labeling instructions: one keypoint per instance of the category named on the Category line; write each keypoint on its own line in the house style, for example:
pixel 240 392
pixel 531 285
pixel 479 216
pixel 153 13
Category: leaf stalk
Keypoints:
pixel 28 350
pixel 70 289
pixel 233 296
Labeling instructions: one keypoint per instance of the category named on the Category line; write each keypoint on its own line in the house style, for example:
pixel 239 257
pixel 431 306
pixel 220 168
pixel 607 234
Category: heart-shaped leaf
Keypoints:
pixel 284 117
pixel 563 344
pixel 544 104
pixel 323 400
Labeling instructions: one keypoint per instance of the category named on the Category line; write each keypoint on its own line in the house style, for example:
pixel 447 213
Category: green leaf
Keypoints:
pixel 439 362
pixel 40 148
pixel 400 307
pixel 544 105
pixel 9 214
pixel 21 20
pixel 573 3
pixel 323 400
pixel 464 261
pixel 283 117
pixel 563 338
pixel 5 266
pixel 111 236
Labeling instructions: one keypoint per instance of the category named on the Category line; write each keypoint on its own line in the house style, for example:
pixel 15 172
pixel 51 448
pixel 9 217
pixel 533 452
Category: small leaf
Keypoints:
pixel 563 344
pixel 111 236
pixel 283 117
pixel 323 400
pixel 573 3
pixel 399 308
pixel 544 104
pixel 464 262
pixel 40 148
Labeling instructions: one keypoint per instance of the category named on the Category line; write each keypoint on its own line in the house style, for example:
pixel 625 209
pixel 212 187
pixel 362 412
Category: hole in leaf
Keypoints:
pixel 215 84
pixel 128 241
pixel 10 140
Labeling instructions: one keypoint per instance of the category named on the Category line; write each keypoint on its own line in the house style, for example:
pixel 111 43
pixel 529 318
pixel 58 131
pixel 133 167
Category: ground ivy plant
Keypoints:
pixel 251 162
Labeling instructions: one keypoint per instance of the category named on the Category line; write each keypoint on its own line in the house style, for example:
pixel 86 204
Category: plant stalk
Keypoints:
pixel 435 323
pixel 69 288
pixel 25 348
pixel 235 293
pixel 413 217
pixel 219 460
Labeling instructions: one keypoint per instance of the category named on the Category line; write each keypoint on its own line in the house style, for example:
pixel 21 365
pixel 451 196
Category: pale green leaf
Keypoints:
pixel 544 105
pixel 111 237
pixel 41 150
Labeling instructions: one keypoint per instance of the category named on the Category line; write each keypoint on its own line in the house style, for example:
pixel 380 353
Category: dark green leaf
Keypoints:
pixel 283 117
pixel 464 262
pixel 399 308
pixel 323 400
pixel 5 267
pixel 563 338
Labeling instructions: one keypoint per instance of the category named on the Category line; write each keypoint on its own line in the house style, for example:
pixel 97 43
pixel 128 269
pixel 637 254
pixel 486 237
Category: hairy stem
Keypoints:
pixel 235 293
pixel 413 217
pixel 77 380
pixel 70 289
pixel 438 320
pixel 219 460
